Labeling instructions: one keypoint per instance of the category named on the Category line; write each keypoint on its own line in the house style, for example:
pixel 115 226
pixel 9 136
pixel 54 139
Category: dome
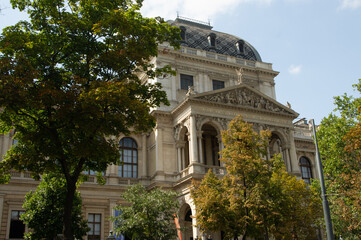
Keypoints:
pixel 199 35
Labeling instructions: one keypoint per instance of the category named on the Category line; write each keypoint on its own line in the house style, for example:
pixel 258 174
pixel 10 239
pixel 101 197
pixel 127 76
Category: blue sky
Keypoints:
pixel 314 44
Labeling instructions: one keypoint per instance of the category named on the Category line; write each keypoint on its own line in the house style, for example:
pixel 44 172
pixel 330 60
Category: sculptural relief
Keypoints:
pixel 244 97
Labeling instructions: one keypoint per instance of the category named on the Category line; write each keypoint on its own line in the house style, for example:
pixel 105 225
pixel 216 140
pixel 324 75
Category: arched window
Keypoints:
pixel 240 46
pixel 129 158
pixel 183 33
pixel 306 172
pixel 212 40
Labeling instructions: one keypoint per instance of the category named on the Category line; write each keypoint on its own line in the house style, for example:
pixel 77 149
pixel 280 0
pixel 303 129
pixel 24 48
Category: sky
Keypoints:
pixel 314 44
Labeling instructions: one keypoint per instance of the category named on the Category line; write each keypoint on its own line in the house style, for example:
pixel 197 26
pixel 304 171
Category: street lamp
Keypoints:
pixel 326 208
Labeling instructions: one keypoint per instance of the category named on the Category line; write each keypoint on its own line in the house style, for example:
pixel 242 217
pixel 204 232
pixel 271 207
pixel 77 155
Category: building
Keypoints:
pixel 219 76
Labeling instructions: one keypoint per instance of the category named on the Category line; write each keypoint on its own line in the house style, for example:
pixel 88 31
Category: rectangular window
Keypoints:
pixel 94 224
pixel 17 227
pixel 186 81
pixel 218 84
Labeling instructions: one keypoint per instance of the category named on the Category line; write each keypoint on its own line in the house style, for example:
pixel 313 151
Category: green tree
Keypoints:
pixel 44 210
pixel 297 207
pixel 257 197
pixel 69 79
pixel 338 139
pixel 149 216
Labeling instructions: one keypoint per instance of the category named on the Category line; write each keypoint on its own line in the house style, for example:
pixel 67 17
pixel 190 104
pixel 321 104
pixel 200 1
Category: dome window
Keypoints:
pixel 240 46
pixel 212 40
pixel 183 33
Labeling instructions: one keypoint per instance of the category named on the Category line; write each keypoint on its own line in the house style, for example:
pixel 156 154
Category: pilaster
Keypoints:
pixel 193 140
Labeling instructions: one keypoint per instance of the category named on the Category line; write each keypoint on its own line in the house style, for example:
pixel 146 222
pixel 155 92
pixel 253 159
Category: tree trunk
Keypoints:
pixel 67 224
pixel 265 233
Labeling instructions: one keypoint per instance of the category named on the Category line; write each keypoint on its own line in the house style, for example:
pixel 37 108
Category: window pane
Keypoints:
pixel 91 226
pixel 135 156
pixel 91 218
pixel 186 81
pixel 135 170
pixel 97 218
pixel 97 229
pixel 129 157
pixel 14 215
pixel 120 171
pixel 217 84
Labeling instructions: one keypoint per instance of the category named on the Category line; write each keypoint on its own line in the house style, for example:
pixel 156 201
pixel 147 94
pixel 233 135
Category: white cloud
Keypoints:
pixel 353 4
pixel 293 69
pixel 195 9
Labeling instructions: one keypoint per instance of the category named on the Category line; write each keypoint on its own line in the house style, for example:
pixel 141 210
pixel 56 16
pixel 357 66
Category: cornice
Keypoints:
pixel 220 63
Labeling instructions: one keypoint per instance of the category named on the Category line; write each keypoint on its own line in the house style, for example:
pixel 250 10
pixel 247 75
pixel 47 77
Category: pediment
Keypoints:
pixel 244 96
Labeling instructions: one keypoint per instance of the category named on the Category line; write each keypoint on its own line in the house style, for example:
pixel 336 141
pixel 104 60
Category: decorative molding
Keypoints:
pixel 200 119
pixel 244 97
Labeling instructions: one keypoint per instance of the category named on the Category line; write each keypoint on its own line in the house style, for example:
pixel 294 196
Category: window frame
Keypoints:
pixel 183 33
pixel 212 40
pixel 134 159
pixel 93 236
pixel 18 219
pixel 240 46
pixel 186 81
pixel 306 169
pixel 218 84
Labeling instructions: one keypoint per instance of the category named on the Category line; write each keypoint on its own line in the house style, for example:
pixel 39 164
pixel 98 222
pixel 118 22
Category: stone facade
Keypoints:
pixel 219 76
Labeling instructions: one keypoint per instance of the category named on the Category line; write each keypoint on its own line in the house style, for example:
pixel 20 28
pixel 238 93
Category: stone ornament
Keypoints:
pixel 244 97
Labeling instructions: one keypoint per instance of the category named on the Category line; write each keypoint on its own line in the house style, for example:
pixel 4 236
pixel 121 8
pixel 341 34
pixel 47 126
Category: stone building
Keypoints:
pixel 219 76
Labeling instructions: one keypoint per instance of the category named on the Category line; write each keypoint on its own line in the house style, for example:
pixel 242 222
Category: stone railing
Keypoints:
pixel 184 172
pixel 127 181
pixel 16 174
pixel 216 170
pixel 225 58
pixel 203 170
pixel 303 133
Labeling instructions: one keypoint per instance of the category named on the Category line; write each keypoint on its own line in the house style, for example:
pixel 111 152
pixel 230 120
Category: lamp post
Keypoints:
pixel 326 208
pixel 111 236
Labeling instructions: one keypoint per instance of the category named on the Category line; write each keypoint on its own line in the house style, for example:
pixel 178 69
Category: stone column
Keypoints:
pixel 159 149
pixel 183 164
pixel 221 146
pixel 144 156
pixel 193 140
pixel 2 196
pixel 293 155
pixel 180 155
pixel 289 159
pixel 286 158
pixel 200 147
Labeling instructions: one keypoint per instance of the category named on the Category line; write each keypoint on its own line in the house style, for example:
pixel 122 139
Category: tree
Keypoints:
pixel 257 197
pixel 149 216
pixel 69 80
pixel 297 207
pixel 44 210
pixel 338 139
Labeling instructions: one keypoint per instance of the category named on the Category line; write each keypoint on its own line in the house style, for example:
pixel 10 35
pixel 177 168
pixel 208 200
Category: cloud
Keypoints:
pixel 293 69
pixel 196 9
pixel 353 4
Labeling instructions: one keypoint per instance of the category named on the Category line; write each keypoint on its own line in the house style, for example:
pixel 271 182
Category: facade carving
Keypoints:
pixel 186 142
pixel 245 97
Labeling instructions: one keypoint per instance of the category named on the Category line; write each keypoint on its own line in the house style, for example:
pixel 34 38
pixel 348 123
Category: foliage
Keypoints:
pixel 44 210
pixel 297 206
pixel 69 80
pixel 338 137
pixel 149 216
pixel 257 197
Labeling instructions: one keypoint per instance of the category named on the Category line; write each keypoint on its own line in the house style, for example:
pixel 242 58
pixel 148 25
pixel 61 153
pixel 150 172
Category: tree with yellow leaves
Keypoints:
pixel 257 198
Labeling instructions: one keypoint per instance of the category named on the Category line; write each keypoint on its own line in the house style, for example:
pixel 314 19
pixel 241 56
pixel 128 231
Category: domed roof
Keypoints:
pixel 200 35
